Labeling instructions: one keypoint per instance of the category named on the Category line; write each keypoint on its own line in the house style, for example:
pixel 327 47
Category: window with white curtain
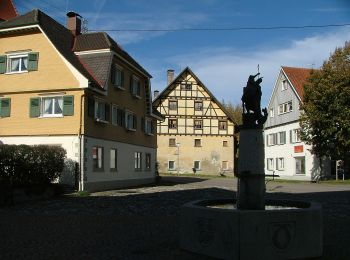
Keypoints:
pixel 17 63
pixel 52 106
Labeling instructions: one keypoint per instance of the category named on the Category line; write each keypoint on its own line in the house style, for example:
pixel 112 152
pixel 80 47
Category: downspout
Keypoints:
pixel 81 154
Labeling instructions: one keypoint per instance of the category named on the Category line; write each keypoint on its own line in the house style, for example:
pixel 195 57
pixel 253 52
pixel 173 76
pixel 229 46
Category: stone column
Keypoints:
pixel 251 176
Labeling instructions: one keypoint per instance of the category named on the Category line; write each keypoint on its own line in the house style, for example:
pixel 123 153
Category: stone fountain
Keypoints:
pixel 251 227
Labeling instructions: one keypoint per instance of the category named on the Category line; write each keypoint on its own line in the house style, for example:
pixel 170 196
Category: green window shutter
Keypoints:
pixel 2 64
pixel 34 107
pixel 33 58
pixel 68 105
pixel 5 107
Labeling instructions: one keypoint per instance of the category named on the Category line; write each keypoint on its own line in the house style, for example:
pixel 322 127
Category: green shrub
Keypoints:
pixel 27 165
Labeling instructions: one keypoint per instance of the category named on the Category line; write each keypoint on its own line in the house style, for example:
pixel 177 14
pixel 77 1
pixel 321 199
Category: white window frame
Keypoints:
pixel 173 164
pixel 138 160
pixel 272 112
pixel 136 86
pixel 270 164
pixel 129 125
pixel 9 58
pixel 285 108
pixel 113 164
pixel 281 137
pixel 280 163
pixel 284 85
pixel 99 156
pixel 100 104
pixel 149 129
pixel 118 77
pixel 114 114
pixel 42 106
pixel 148 161
pixel 199 165
pixel 271 139
pixel 296 135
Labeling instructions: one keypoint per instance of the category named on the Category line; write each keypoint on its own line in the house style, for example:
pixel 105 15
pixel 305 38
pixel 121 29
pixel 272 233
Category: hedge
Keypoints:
pixel 27 165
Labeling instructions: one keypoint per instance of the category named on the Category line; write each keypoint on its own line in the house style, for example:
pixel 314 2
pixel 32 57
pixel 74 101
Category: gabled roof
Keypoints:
pixel 7 10
pixel 171 86
pixel 297 77
pixel 95 66
pixel 59 35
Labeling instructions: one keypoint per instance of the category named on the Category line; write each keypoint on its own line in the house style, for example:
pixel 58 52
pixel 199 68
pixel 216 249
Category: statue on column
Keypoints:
pixel 251 99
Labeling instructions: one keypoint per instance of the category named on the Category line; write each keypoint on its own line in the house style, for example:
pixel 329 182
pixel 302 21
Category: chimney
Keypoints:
pixel 74 23
pixel 155 94
pixel 170 75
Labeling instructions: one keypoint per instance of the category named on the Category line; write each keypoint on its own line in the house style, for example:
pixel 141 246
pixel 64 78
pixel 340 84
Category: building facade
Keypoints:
pixel 285 154
pixel 79 91
pixel 197 134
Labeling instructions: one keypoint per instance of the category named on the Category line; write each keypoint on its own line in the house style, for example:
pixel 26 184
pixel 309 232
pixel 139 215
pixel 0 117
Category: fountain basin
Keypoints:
pixel 285 230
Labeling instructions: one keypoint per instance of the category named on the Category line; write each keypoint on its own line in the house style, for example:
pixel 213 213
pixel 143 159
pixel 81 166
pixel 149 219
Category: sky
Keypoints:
pixel 222 59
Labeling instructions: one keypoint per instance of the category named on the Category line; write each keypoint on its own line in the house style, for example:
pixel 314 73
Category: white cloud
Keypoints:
pixel 225 71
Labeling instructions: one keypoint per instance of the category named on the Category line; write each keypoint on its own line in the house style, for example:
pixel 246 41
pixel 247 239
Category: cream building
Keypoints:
pixel 197 133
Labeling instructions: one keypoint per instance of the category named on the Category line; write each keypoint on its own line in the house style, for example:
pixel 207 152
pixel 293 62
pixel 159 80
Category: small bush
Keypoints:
pixel 30 165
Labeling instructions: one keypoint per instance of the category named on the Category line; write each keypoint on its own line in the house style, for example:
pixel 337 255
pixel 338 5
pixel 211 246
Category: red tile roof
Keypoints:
pixel 7 10
pixel 297 77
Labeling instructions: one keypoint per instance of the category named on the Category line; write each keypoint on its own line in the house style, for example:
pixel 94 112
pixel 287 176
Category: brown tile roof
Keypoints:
pixel 7 10
pixel 297 77
pixel 101 40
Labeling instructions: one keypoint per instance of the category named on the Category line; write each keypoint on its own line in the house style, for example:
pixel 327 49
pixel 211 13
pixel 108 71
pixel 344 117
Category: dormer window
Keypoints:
pixel 19 62
pixel 284 85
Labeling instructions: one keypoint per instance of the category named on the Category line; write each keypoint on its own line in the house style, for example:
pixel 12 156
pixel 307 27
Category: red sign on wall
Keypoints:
pixel 299 149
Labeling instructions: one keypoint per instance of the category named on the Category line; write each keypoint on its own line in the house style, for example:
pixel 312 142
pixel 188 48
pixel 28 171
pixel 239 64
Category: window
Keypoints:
pixel 198 105
pixel 224 165
pixel 57 106
pixel 130 121
pixel 148 162
pixel 270 164
pixel 114 115
pixel 113 159
pixel 186 86
pixel 300 165
pixel 19 62
pixel 149 129
pixel 271 139
pixel 284 85
pixel 172 142
pixel 135 86
pixel 281 137
pixel 198 124
pixel 117 76
pixel 197 165
pixel 137 161
pixel 101 111
pixel 272 112
pixel 295 135
pixel 171 165
pixel 285 108
pixel 224 143
pixel 172 105
pixel 5 107
pixel 97 158
pixel 223 125
pixel 172 123
pixel 197 142
pixel 120 117
pixel 280 163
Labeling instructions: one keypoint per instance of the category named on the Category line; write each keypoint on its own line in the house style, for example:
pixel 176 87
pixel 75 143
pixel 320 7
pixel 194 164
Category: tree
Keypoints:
pixel 325 119
pixel 235 111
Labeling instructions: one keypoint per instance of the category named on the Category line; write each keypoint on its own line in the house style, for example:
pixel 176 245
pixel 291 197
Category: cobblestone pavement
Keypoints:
pixel 142 223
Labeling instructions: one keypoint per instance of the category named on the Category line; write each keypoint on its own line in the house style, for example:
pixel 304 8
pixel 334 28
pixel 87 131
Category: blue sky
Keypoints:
pixel 224 59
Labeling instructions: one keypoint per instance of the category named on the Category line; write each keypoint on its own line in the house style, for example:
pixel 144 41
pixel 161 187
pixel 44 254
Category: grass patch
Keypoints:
pixel 83 193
